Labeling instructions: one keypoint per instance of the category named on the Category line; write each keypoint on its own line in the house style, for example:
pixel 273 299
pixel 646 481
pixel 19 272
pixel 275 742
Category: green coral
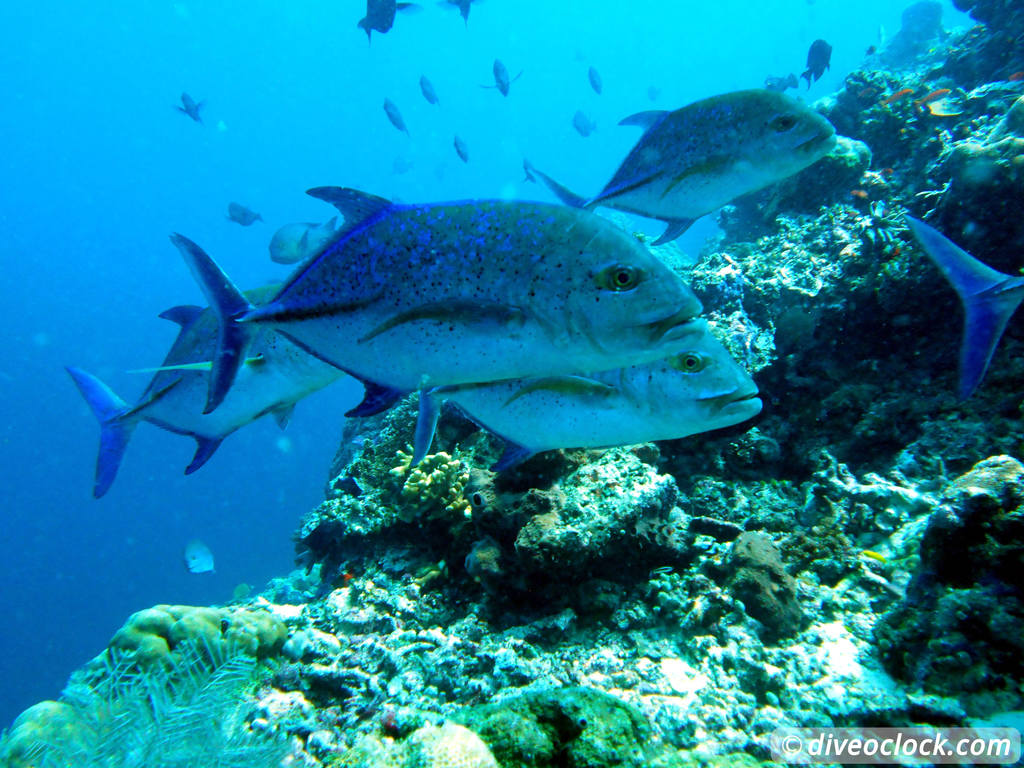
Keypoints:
pixel 576 726
pixel 445 746
pixel 435 486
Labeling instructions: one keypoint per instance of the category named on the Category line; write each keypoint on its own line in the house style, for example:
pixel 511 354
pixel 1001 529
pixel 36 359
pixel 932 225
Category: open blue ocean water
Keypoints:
pixel 98 168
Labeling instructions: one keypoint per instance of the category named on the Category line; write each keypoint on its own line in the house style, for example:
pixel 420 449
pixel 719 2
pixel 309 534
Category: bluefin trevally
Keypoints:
pixel 394 115
pixel 697 390
pixel 296 242
pixel 696 159
pixel 427 88
pixel 989 298
pixel 461 149
pixel 380 15
pixel 275 375
pixel 198 557
pixel 413 296
pixel 240 214
pixel 190 107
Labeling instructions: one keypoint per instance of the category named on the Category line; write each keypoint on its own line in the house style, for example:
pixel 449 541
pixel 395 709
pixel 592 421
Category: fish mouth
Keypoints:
pixel 818 141
pixel 676 326
pixel 742 406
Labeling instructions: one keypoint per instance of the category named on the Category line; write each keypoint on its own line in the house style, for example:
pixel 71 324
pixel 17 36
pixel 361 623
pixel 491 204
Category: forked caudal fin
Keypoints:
pixel 564 194
pixel 989 299
pixel 229 305
pixel 117 421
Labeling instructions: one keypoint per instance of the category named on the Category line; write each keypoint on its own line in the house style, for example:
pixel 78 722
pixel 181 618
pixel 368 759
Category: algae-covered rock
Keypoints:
pixel 761 582
pixel 431 746
pixel 49 724
pixel 960 629
pixel 152 635
pixel 579 727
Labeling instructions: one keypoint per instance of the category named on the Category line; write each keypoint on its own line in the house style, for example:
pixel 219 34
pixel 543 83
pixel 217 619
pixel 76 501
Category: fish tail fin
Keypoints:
pixel 229 305
pixel 564 194
pixel 989 298
pixel 116 425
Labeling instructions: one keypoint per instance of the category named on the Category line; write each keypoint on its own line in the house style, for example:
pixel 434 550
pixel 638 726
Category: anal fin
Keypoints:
pixel 674 228
pixel 205 448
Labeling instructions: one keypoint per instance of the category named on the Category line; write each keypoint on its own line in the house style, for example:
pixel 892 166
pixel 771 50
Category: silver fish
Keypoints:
pixel 584 125
pixel 394 116
pixel 450 293
pixel 697 390
pixel 275 375
pixel 595 80
pixel 198 557
pixel 694 160
pixel 293 243
pixel 501 78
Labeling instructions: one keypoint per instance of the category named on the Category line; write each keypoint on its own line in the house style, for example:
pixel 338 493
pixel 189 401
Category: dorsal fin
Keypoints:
pixel 354 205
pixel 184 314
pixel 644 119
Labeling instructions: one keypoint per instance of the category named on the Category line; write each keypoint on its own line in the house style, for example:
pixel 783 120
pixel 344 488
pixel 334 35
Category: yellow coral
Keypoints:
pixel 152 635
pixel 436 485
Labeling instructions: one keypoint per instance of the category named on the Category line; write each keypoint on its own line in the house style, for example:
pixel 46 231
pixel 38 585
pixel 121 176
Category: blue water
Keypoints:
pixel 98 169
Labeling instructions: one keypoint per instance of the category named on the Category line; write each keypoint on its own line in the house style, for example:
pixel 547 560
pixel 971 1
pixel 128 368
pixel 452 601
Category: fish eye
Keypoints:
pixel 619 278
pixel 689 362
pixel 782 123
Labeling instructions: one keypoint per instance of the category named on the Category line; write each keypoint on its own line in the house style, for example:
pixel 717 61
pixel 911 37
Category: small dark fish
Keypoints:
pixel 584 125
pixel 871 51
pixel 819 58
pixel 653 92
pixel 239 214
pixel 527 169
pixel 595 80
pixel 394 116
pixel 780 84
pixel 461 150
pixel 501 78
pixel 428 90
pixel 190 107
pixel 463 6
pixel 380 15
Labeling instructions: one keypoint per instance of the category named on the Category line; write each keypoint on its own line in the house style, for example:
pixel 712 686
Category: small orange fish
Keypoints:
pixel 888 171
pixel 921 103
pixel 860 194
pixel 1016 77
pixel 898 95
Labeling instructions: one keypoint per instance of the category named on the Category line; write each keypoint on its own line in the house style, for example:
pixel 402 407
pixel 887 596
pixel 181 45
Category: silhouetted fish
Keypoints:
pixel 461 150
pixel 583 124
pixel 293 243
pixel 780 84
pixel 462 5
pixel 239 214
pixel 427 88
pixel 653 92
pixel 595 80
pixel 819 57
pixel 380 15
pixel 190 107
pixel 394 115
pixel 501 78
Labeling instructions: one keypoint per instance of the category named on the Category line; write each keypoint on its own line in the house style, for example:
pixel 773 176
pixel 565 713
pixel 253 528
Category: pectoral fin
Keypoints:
pixel 644 119
pixel 460 312
pixel 426 424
